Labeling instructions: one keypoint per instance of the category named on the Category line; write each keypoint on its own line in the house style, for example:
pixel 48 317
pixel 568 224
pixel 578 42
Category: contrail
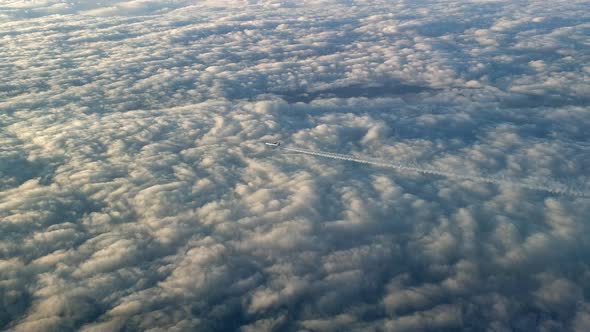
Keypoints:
pixel 555 188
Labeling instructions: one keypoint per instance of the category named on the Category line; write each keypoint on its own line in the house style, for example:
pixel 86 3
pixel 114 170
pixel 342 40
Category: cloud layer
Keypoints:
pixel 136 193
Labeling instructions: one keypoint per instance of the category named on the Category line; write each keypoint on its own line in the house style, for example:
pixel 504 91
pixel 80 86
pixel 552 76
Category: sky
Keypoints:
pixel 136 192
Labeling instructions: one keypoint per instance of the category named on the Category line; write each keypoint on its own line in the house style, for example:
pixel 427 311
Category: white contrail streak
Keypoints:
pixel 556 188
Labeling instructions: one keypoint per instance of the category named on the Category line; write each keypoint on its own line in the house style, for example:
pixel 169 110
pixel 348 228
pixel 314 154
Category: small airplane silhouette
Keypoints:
pixel 273 144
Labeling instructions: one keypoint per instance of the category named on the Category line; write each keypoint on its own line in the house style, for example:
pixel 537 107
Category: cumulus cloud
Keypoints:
pixel 136 193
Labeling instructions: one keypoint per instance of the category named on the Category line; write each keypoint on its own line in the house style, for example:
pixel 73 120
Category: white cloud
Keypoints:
pixel 136 193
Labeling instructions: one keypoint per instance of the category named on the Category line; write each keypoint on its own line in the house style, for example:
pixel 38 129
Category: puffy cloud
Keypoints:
pixel 136 193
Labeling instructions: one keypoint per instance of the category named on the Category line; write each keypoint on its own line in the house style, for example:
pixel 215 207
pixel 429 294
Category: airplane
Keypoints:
pixel 273 144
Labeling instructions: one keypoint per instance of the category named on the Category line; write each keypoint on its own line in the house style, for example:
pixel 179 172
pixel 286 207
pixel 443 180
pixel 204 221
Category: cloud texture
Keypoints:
pixel 135 192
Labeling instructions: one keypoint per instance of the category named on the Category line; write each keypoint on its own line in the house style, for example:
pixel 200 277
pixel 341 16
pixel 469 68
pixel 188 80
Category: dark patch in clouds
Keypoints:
pixel 136 193
pixel 355 91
